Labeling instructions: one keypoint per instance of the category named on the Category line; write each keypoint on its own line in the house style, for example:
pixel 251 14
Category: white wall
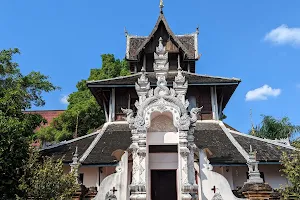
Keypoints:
pixel 162 138
pixel 226 172
pixel 106 171
pixel 90 176
pixel 272 175
pixel 211 179
pixel 239 175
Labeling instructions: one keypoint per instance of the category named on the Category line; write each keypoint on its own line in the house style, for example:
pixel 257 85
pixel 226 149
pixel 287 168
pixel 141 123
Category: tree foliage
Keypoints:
pixel 291 170
pixel 46 179
pixel 17 93
pixel 272 128
pixel 83 105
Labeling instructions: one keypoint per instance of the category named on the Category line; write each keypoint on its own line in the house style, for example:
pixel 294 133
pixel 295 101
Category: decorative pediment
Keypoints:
pixel 162 98
pixel 162 123
pixel 161 21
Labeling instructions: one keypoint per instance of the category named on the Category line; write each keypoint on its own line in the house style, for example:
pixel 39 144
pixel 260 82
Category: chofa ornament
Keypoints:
pixel 194 114
pixel 129 116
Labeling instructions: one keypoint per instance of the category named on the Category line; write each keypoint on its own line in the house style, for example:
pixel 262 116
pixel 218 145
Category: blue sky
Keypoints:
pixel 257 41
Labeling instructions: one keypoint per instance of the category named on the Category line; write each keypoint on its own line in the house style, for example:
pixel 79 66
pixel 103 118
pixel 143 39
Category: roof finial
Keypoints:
pixel 161 5
pixel 252 126
pixel 125 31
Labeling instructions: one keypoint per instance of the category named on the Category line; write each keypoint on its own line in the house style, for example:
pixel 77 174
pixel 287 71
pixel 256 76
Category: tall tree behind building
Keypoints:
pixel 272 128
pixel 17 93
pixel 291 170
pixel 83 114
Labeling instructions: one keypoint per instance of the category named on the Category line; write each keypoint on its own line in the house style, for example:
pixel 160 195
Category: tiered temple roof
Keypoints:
pixel 187 43
pixel 97 148
pixel 227 146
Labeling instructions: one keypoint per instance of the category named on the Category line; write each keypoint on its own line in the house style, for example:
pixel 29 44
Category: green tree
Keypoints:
pixel 45 179
pixel 17 93
pixel 291 170
pixel 296 143
pixel 272 128
pixel 83 113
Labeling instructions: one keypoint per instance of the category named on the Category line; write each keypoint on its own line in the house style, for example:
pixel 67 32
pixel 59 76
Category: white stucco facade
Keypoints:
pixel 235 175
pixel 90 176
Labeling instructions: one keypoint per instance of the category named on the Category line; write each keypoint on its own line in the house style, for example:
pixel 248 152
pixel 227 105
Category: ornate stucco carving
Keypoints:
pixel 217 196
pixel 194 115
pixel 180 85
pixel 110 196
pixel 142 86
pixel 75 164
pixel 162 123
pixel 114 186
pixel 161 64
pixel 162 99
pixel 254 174
pixel 129 116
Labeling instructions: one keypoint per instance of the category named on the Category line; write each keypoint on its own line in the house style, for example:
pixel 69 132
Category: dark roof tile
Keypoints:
pixel 190 77
pixel 136 42
pixel 211 136
pixel 189 42
pixel 265 151
pixel 207 135
pixel 66 149
pixel 116 136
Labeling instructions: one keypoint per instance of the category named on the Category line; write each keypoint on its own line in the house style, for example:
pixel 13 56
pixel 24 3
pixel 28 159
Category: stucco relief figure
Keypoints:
pixel 217 196
pixel 129 116
pixel 194 114
pixel 110 196
pixel 162 123
pixel 162 89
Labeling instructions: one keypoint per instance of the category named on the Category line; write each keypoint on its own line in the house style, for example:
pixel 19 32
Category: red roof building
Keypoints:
pixel 49 115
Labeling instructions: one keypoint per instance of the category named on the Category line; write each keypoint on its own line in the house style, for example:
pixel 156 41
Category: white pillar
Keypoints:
pixel 184 152
pixel 202 163
pixel 139 165
pixel 214 102
pixel 110 107
pixel 113 103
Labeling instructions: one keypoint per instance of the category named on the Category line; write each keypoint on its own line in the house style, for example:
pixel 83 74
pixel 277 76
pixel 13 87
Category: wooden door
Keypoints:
pixel 163 185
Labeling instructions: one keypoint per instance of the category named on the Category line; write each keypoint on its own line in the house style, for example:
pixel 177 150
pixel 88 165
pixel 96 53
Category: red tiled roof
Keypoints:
pixel 49 115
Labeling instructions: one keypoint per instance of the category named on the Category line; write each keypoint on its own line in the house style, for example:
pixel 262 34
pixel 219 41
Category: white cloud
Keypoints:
pixel 64 99
pixel 284 35
pixel 262 93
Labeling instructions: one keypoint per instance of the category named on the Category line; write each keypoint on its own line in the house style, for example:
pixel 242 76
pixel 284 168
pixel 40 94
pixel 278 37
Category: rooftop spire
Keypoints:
pixel 252 126
pixel 161 5
pixel 125 31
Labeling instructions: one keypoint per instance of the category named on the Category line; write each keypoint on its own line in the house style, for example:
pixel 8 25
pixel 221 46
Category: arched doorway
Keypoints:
pixel 162 146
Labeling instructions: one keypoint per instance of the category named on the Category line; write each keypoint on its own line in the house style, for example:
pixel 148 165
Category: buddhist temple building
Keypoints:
pixel 163 137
